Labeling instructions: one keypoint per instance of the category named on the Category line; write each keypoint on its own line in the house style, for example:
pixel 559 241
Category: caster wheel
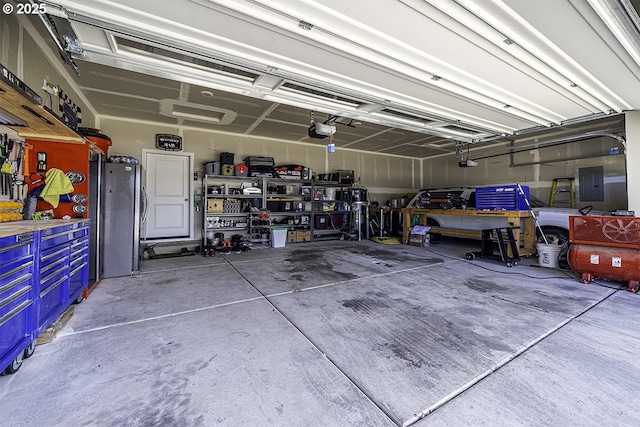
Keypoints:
pixel 78 300
pixel 15 365
pixel 633 289
pixel 509 265
pixel 515 263
pixel 28 352
pixel 470 256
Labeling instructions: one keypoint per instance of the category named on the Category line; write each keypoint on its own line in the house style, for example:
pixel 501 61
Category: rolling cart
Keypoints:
pixel 493 235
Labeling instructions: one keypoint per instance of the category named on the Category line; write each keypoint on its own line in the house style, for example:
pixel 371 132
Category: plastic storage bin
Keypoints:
pixel 278 237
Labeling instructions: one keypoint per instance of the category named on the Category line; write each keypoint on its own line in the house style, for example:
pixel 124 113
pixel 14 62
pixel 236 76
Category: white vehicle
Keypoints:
pixel 553 221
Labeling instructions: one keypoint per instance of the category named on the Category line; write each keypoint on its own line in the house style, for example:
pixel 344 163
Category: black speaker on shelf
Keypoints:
pixel 227 158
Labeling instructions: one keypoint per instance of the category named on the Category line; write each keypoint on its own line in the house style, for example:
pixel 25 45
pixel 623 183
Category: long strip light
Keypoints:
pixel 87 16
pixel 389 58
pixel 616 18
pixel 410 102
pixel 470 26
pixel 574 72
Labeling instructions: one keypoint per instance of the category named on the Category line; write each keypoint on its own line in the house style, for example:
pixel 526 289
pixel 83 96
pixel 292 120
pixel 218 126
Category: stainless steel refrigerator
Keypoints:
pixel 123 215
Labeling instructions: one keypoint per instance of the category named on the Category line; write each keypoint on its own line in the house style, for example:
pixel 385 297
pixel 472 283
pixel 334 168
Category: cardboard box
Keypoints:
pixel 291 236
pixel 215 206
pixel 303 236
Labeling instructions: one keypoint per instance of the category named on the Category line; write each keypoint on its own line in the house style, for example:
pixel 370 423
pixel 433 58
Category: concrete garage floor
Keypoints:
pixel 338 334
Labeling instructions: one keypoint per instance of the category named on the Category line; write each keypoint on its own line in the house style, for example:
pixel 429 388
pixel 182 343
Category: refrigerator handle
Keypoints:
pixel 145 203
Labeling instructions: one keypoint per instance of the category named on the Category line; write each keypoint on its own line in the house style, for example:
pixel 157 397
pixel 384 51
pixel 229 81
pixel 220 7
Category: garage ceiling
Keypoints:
pixel 404 77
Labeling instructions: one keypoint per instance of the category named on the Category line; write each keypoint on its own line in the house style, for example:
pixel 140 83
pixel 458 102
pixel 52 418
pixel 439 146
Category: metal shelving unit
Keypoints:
pixel 289 202
pixel 332 216
pixel 323 208
pixel 226 209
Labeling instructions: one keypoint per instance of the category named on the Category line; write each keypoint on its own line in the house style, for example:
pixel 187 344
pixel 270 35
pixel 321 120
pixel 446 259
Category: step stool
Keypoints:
pixel 493 235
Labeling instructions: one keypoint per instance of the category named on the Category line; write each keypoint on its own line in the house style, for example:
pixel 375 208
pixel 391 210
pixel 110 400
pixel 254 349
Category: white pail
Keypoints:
pixel 278 237
pixel 329 193
pixel 548 255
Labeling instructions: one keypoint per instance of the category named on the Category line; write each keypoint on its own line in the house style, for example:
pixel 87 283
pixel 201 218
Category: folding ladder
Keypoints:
pixel 568 186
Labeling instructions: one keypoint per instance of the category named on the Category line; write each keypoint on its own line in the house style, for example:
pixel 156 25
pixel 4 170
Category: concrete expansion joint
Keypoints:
pixel 508 359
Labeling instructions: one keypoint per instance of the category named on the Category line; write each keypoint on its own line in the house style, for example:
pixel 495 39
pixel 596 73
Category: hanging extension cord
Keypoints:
pixel 565 275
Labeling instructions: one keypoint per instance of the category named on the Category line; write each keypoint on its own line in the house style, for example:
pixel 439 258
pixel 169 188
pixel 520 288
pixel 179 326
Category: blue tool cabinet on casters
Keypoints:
pixel 41 273
pixel 17 300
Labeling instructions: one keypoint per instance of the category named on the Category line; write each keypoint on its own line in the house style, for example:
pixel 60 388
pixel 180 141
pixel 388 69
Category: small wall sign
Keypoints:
pixel 168 142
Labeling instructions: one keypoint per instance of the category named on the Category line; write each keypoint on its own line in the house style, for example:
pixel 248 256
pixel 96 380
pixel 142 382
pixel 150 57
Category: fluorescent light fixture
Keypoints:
pixel 197 112
pixel 9 119
pixel 198 117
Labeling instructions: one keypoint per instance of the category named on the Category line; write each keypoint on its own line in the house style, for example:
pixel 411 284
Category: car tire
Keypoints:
pixel 554 235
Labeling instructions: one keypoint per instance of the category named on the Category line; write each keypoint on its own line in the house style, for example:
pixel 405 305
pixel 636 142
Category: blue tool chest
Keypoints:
pixel 41 273
pixel 508 198
pixel 17 296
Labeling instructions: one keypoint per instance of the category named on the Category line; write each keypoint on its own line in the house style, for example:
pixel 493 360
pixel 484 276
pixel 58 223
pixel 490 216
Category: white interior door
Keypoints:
pixel 169 205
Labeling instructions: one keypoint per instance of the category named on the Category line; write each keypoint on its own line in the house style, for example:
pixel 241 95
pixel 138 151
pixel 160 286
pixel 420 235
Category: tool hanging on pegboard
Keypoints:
pixel 5 167
pixel 12 152
pixel 42 161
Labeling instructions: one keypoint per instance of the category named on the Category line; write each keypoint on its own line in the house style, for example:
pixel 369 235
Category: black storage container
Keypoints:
pixel 259 162
pixel 345 177
pixel 227 158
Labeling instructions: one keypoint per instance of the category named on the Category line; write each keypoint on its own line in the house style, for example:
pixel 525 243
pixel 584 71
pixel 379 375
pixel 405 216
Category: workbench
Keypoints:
pixel 387 220
pixel 525 235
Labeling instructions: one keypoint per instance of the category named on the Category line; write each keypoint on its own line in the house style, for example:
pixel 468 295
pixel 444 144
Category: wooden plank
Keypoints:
pixel 48 334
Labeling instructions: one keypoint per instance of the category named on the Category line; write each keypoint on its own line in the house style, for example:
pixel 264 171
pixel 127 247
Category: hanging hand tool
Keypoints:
pixel 27 166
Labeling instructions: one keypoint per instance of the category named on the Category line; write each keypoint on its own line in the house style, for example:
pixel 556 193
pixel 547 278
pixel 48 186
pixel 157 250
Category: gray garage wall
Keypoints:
pixel 536 168
pixel 384 176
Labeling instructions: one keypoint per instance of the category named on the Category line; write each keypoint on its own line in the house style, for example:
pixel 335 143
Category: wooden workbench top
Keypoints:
pixel 468 212
pixel 16 227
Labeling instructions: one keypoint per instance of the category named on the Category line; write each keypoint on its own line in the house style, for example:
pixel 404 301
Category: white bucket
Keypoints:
pixel 548 255
pixel 278 237
pixel 329 193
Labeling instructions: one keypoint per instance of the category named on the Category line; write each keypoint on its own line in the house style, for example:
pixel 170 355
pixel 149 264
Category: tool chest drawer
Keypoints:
pixel 79 267
pixel 63 234
pixel 54 283
pixel 15 251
